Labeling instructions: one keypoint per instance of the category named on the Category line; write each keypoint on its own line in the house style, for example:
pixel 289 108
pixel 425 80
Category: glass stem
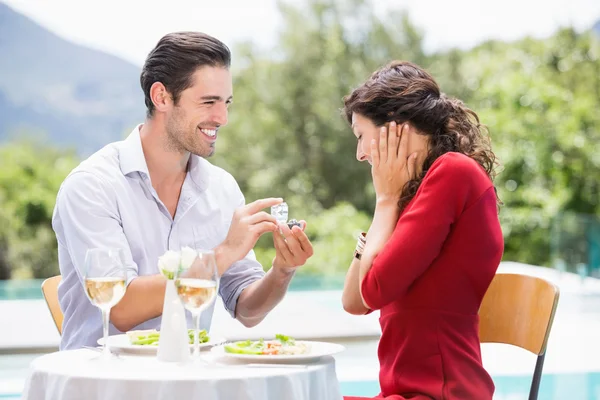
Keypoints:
pixel 105 322
pixel 196 335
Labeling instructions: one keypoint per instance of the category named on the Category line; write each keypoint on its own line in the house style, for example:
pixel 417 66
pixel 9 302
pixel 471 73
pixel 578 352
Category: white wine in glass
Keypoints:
pixel 104 283
pixel 105 292
pixel 197 288
pixel 195 293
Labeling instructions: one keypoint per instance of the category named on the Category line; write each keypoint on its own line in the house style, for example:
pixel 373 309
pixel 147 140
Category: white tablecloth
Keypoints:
pixel 79 375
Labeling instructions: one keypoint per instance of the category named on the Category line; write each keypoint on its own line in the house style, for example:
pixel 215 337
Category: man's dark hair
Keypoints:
pixel 174 60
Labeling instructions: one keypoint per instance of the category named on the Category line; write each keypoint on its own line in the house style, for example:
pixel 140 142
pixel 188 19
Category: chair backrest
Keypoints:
pixel 50 290
pixel 518 310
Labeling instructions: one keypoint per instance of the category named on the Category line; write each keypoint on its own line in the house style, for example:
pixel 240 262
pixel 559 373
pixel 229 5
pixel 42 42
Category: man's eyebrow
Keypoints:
pixel 215 98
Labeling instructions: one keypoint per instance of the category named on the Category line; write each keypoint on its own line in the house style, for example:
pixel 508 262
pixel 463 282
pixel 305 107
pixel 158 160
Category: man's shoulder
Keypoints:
pixel 100 169
pixel 103 164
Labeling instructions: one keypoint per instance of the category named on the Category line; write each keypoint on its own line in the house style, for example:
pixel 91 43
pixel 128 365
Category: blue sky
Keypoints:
pixel 130 28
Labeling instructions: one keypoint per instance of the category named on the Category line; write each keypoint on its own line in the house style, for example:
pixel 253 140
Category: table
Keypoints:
pixel 79 374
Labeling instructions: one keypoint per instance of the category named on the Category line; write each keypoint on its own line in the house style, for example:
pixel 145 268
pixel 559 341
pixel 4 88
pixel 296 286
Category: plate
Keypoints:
pixel 317 350
pixel 121 343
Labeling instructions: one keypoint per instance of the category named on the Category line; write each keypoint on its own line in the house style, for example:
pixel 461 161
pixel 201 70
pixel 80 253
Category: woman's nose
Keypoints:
pixel 360 156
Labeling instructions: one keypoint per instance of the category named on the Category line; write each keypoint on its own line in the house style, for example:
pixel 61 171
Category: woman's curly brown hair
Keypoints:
pixel 403 92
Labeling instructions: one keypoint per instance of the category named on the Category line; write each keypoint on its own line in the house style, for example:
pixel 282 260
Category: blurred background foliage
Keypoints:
pixel 540 99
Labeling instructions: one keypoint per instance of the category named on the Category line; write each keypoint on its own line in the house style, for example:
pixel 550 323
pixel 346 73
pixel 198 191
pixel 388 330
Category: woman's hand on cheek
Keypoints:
pixel 392 166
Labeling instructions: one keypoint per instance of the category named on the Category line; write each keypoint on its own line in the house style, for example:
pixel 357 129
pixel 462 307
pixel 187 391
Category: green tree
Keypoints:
pixel 286 136
pixel 30 175
pixel 540 100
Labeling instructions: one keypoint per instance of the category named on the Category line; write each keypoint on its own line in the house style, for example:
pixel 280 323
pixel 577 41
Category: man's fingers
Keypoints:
pixel 303 240
pixel 256 206
pixel 282 248
pixel 261 217
pixel 292 240
pixel 263 227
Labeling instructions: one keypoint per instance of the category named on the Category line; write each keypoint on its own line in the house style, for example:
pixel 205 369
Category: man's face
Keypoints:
pixel 193 123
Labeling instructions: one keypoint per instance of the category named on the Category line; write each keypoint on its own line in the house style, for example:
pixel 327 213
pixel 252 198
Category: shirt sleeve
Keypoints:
pixel 423 228
pixel 241 273
pixel 85 217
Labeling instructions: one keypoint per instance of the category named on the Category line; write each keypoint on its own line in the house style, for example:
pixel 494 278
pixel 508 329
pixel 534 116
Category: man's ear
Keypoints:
pixel 160 96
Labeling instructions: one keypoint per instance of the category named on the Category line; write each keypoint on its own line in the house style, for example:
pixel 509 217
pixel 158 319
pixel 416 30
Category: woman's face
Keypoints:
pixel 365 130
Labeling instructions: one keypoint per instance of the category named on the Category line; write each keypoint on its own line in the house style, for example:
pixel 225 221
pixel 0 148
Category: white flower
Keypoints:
pixel 168 263
pixel 188 256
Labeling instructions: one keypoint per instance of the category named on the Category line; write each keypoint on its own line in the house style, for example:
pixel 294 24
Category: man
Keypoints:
pixel 155 191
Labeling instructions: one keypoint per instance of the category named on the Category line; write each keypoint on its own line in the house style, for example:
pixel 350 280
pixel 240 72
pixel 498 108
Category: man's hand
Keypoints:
pixel 247 226
pixel 292 248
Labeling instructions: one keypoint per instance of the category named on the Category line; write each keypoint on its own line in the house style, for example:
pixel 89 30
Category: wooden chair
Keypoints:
pixel 519 310
pixel 50 291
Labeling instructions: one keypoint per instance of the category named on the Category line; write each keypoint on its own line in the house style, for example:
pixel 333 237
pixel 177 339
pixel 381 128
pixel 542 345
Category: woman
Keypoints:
pixel 435 241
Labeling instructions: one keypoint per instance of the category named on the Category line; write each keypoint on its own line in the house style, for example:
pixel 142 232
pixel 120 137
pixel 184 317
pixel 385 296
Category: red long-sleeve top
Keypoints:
pixel 429 281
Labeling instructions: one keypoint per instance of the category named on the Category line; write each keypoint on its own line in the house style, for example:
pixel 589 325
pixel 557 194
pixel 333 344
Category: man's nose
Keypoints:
pixel 220 114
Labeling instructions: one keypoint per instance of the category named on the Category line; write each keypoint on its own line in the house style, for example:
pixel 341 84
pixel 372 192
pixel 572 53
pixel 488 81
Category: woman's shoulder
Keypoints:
pixel 459 167
pixel 457 176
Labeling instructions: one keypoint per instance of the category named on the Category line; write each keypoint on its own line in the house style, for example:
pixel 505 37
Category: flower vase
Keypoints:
pixel 174 342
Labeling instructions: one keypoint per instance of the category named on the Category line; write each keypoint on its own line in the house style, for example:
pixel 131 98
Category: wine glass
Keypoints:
pixel 104 282
pixel 197 288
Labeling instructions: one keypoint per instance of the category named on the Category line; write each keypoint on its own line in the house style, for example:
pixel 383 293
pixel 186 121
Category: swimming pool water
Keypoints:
pixel 30 289
pixel 583 386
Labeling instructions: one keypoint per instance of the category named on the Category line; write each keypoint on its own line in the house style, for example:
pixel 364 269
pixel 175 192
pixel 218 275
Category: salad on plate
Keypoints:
pixel 150 337
pixel 282 345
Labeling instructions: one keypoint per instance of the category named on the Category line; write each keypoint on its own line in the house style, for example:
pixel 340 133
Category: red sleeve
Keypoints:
pixel 453 182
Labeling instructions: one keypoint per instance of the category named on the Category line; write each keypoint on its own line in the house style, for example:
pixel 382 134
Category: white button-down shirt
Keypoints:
pixel 108 201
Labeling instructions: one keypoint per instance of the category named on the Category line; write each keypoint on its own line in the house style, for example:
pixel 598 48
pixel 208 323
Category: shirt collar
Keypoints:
pixel 131 154
pixel 132 159
pixel 198 171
